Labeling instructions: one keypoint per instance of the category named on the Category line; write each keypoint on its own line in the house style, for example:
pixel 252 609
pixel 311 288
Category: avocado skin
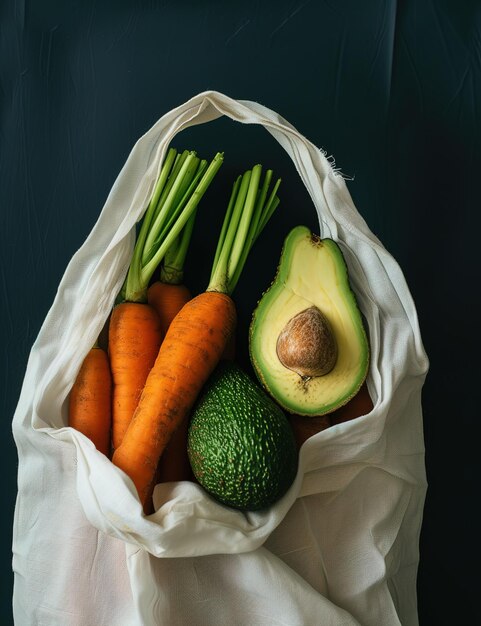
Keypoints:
pixel 241 447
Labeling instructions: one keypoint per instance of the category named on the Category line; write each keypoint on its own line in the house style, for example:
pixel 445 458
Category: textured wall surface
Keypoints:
pixel 390 89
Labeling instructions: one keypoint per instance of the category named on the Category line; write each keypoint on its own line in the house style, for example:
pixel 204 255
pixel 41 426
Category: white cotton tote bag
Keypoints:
pixel 340 548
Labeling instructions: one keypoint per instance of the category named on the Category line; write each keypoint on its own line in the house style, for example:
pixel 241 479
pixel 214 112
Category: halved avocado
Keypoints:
pixel 310 301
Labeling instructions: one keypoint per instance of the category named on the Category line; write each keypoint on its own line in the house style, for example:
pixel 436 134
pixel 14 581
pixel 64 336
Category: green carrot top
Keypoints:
pixel 250 208
pixel 168 221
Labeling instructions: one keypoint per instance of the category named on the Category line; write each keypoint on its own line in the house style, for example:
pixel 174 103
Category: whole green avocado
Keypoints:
pixel 240 444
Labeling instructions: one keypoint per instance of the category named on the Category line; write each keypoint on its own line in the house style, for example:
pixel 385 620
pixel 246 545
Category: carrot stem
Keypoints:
pixel 180 204
pixel 167 168
pixel 269 208
pixel 175 195
pixel 172 269
pixel 262 214
pixel 182 182
pixel 245 219
pixel 182 219
pixel 246 216
pixel 225 224
pixel 218 279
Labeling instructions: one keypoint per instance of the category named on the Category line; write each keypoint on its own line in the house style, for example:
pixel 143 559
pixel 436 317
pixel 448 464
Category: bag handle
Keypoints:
pixel 311 163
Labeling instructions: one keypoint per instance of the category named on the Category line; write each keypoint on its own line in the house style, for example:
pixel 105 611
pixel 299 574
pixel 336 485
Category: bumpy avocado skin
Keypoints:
pixel 241 446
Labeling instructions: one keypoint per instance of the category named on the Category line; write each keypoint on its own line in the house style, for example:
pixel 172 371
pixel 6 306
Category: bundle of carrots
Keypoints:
pixel 107 389
pixel 162 343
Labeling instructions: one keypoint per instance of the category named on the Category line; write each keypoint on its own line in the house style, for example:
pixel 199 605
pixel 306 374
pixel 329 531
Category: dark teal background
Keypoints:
pixel 391 89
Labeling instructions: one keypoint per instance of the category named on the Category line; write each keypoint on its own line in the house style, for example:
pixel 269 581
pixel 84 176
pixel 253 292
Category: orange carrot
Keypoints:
pixel 230 349
pixel 134 341
pixel 196 339
pixel 168 295
pixel 135 331
pixel 305 427
pixel 174 463
pixel 89 402
pixel 167 299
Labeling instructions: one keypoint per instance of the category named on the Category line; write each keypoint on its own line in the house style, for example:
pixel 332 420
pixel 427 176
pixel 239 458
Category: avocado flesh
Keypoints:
pixel 241 447
pixel 312 272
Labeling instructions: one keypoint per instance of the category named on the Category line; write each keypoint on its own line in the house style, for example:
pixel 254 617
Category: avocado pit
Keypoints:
pixel 306 345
